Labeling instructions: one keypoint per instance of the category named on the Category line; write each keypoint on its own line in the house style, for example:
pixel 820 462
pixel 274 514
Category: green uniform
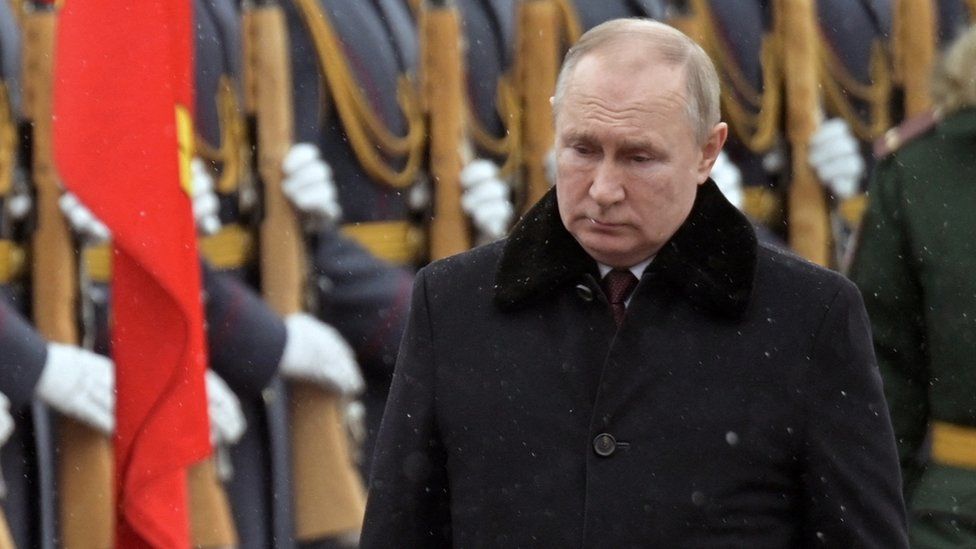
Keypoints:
pixel 916 266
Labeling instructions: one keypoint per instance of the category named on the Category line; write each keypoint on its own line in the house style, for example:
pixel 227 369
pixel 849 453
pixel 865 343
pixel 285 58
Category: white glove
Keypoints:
pixel 227 422
pixel 485 198
pixel 728 177
pixel 6 420
pixel 80 384
pixel 418 197
pixel 309 184
pixel 82 220
pixel 19 203
pixel 314 351
pixel 774 160
pixel 206 206
pixel 836 157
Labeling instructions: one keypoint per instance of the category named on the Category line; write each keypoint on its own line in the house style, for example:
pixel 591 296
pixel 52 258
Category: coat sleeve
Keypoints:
pixel 23 353
pixel 408 492
pixel 366 299
pixel 884 270
pixel 245 338
pixel 851 481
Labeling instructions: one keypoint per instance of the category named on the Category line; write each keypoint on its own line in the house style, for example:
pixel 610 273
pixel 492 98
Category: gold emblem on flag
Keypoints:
pixel 184 138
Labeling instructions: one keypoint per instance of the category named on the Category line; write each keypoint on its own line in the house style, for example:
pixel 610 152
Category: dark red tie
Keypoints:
pixel 618 284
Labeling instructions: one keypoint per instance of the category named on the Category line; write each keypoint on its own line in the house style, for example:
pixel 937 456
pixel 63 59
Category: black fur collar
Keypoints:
pixel 711 259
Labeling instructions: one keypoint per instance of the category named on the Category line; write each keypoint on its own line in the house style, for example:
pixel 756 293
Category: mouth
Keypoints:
pixel 604 224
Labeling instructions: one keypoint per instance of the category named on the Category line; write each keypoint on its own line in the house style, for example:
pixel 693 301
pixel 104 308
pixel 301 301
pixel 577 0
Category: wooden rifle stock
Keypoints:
pixel 211 518
pixel 6 540
pixel 809 222
pixel 916 37
pixel 537 67
pixel 444 99
pixel 85 461
pixel 329 495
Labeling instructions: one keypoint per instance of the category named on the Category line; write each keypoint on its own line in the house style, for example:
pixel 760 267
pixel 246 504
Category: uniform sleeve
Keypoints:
pixel 883 270
pixel 851 481
pixel 245 339
pixel 409 497
pixel 22 355
pixel 366 299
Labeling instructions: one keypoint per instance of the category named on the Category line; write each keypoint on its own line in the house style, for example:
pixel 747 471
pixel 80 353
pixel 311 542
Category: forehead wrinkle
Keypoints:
pixel 591 109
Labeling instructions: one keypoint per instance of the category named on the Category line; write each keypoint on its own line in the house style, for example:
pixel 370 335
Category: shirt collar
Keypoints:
pixel 638 269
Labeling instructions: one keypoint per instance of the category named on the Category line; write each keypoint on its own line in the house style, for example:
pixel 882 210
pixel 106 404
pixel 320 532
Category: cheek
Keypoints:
pixel 571 181
pixel 662 198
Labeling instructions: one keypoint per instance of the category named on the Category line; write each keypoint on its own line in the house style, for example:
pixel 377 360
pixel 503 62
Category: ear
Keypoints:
pixel 710 149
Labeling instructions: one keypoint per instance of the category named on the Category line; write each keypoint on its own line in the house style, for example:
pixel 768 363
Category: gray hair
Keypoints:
pixel 673 47
pixel 954 81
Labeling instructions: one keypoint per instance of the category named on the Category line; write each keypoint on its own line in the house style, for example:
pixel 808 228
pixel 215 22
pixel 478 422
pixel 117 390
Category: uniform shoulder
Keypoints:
pixel 908 131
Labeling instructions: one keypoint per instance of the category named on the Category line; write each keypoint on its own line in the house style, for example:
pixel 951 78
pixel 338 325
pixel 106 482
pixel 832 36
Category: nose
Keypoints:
pixel 606 188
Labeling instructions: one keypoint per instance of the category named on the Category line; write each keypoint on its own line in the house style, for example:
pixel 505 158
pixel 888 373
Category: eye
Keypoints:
pixel 582 150
pixel 642 158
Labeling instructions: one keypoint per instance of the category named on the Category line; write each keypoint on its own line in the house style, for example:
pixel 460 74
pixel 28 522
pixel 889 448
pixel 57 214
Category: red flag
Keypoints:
pixel 123 87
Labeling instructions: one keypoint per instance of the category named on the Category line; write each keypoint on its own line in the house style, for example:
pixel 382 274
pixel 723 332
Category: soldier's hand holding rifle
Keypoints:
pixel 6 420
pixel 83 221
pixel 836 157
pixel 315 352
pixel 227 423
pixel 309 184
pixel 206 206
pixel 486 199
pixel 80 384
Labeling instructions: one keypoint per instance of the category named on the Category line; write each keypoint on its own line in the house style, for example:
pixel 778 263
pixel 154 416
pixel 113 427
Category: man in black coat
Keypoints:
pixel 731 399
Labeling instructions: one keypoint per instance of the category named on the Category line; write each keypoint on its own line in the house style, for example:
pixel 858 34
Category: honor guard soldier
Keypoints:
pixel 35 372
pixel 491 114
pixel 367 120
pixel 914 265
pixel 262 484
pixel 765 55
pixel 856 73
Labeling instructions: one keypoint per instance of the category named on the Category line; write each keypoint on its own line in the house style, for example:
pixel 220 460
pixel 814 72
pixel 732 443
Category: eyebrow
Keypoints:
pixel 627 146
pixel 639 145
pixel 580 136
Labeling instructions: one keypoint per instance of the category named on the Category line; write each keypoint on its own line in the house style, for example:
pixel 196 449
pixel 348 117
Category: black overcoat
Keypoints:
pixel 739 404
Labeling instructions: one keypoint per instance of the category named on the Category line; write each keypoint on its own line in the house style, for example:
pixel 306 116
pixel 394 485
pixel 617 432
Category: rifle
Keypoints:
pixel 8 138
pixel 537 66
pixel 329 495
pixel 85 466
pixel 809 223
pixel 915 42
pixel 444 101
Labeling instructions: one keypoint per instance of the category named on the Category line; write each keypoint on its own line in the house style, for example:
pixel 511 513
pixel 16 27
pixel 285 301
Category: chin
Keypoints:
pixel 612 255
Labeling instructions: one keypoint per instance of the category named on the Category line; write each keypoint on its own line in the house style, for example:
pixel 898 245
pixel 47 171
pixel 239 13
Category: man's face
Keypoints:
pixel 627 163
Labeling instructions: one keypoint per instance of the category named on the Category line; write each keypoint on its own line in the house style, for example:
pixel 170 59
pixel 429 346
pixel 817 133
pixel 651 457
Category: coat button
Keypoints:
pixel 604 444
pixel 584 292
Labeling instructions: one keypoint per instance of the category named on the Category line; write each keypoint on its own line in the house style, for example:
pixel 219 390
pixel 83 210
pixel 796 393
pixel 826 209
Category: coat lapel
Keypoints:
pixel 710 260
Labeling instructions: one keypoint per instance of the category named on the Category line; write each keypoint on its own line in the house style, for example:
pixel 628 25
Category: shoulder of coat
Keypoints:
pixel 906 132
